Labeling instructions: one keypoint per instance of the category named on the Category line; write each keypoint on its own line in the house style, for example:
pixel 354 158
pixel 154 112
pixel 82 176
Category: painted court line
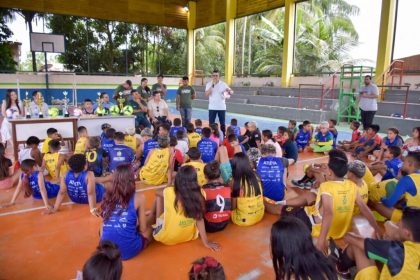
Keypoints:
pixel 310 159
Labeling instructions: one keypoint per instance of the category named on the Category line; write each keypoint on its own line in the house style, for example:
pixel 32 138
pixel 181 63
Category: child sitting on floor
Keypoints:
pixel 247 193
pixel 389 168
pixel 207 147
pixel 198 126
pixel 215 134
pixel 193 137
pixel 95 156
pixel 108 142
pixel 271 172
pixel 130 139
pixel 52 134
pixel 80 147
pixel 177 127
pixel 79 184
pixel 234 126
pixel 373 142
pixel 280 135
pixel 412 144
pixel 124 215
pixel 31 151
pixel 207 268
pixel 303 136
pixel 392 139
pixel 218 199
pixel 355 136
pixel 290 148
pixel 195 161
pixel 357 170
pixel 180 211
pixel 32 182
pixel 149 143
pixel 292 126
pixel 177 155
pixel 323 140
pixel 54 162
pixel 182 144
pixel 120 153
pixel 7 180
pixel 332 123
pixel 267 137
pixel 104 127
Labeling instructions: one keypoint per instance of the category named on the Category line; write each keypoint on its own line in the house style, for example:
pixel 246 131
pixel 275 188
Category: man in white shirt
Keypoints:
pixel 217 91
pixel 35 105
pixel 367 101
pixel 157 108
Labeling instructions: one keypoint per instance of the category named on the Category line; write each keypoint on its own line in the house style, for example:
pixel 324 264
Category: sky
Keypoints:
pixel 366 22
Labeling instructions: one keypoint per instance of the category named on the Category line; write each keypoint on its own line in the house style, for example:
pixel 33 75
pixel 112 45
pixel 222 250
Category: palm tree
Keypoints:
pixel 210 48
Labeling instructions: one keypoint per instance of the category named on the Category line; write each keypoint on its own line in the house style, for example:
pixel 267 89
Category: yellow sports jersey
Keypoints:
pixel 173 227
pixel 45 148
pixel 369 178
pixel 193 139
pixel 131 141
pixel 80 147
pixel 199 167
pixel 155 172
pixel 414 201
pixel 381 189
pixel 410 268
pixel 51 161
pixel 249 210
pixel 343 194
pixel 364 193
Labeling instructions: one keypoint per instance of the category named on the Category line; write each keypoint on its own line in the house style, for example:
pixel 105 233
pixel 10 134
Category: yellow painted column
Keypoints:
pixel 386 36
pixel 191 39
pixel 230 40
pixel 288 42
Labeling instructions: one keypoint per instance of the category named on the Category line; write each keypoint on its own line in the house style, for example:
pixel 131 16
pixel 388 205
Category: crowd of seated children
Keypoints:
pixel 303 136
pixel 31 151
pixel 323 140
pixel 355 136
pixel 80 186
pixel 392 139
pixel 54 162
pixel 81 143
pixel 270 169
pixel 372 142
pixel 234 126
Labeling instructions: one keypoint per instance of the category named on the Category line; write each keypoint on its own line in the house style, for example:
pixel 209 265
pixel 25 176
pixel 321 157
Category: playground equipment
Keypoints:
pixel 351 78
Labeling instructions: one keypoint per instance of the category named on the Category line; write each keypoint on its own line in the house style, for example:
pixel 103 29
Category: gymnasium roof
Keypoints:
pixel 152 12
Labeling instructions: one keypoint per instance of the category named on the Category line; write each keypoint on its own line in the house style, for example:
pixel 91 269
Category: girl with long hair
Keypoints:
pixel 32 182
pixel 10 106
pixel 412 144
pixel 215 133
pixel 6 170
pixel 180 211
pixel 246 192
pixel 124 214
pixel 294 254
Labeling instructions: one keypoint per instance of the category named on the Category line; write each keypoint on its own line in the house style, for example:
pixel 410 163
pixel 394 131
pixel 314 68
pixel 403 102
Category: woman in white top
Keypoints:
pixel 157 108
pixel 267 136
pixel 11 107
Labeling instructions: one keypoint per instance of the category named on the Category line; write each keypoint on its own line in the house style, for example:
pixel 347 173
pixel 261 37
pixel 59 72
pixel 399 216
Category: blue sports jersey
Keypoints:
pixel 335 138
pixel 121 228
pixel 397 141
pixel 77 188
pixel 52 189
pixel 103 136
pixel 148 146
pixel 107 144
pixel 174 130
pixel 236 129
pixel 120 154
pixel 94 158
pixel 199 130
pixel 302 138
pixel 271 171
pixel 393 166
pixel 324 138
pixel 208 149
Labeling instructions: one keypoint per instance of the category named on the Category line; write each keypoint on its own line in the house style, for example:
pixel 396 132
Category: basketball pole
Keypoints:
pixel 46 78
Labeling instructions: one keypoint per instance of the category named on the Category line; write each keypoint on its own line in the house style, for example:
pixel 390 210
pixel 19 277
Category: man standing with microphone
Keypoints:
pixel 217 92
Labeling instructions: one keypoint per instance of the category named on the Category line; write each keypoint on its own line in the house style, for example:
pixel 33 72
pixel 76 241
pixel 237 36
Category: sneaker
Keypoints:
pixel 302 186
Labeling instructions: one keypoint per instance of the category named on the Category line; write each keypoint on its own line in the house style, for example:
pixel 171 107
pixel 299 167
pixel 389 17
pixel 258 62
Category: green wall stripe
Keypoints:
pixel 59 85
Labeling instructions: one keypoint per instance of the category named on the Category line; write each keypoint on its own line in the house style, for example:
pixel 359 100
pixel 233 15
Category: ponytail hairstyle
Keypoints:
pixel 215 129
pixel 104 264
pixel 244 177
pixel 27 167
pixel 4 163
pixel 188 196
pixel 123 188
pixel 294 254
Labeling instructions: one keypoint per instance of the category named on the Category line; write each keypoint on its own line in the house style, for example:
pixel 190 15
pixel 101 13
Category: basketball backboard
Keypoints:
pixel 45 42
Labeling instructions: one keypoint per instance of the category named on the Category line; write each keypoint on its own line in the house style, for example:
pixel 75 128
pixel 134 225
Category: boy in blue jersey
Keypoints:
pixel 198 126
pixel 177 126
pixel 332 123
pixel 323 140
pixel 207 147
pixel 104 128
pixel 389 168
pixel 271 171
pixel 234 126
pixel 303 136
pixel 149 143
pixel 120 153
pixel 80 186
pixel 95 157
pixel 108 142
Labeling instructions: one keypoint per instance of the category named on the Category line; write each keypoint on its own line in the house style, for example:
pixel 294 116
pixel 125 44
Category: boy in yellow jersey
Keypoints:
pixel 332 214
pixel 80 147
pixel 400 257
pixel 158 167
pixel 52 134
pixel 54 162
pixel 195 161
pixel 130 140
pixel 193 137
pixel 406 192
pixel 357 170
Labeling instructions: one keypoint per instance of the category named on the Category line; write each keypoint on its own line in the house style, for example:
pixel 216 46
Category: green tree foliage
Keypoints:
pixel 6 57
pixel 210 48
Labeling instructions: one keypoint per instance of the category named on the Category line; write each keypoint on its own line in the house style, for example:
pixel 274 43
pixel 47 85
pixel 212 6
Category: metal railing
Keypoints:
pixel 321 86
pixel 396 68
pixel 405 104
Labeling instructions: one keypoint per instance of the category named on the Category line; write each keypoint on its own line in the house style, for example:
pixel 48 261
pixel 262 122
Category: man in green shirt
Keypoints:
pixel 184 96
pixel 160 86
pixel 125 88
pixel 144 90
pixel 139 109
